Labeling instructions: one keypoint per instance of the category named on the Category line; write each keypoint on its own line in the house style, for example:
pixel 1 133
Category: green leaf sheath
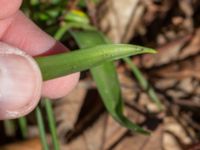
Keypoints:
pixel 106 78
pixel 66 63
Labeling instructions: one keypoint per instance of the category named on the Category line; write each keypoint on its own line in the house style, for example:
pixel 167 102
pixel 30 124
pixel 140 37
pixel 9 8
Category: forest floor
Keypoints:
pixel 173 28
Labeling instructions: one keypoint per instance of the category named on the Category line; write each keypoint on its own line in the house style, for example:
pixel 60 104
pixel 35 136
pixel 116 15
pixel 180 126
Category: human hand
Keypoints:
pixel 21 84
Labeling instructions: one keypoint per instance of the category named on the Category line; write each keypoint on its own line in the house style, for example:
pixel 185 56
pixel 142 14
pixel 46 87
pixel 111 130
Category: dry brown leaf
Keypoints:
pixel 103 134
pixel 155 140
pixel 142 142
pixel 116 16
pixel 175 136
pixel 67 109
pixel 131 143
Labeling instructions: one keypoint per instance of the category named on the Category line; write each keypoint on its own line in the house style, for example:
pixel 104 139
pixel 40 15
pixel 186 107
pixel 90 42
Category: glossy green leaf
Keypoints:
pixel 106 79
pixel 66 63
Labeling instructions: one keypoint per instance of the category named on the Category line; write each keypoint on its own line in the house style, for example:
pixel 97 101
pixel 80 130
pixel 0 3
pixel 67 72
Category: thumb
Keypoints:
pixel 20 82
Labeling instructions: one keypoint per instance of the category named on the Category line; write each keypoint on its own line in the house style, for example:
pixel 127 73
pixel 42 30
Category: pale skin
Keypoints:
pixel 21 84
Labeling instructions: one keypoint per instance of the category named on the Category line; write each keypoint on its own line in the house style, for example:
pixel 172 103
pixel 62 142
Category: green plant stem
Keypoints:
pixel 9 126
pixel 52 124
pixel 144 83
pixel 41 129
pixel 64 28
pixel 23 127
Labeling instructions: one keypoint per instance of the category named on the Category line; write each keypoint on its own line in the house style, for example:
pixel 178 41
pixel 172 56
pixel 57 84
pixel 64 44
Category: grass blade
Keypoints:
pixel 106 79
pixel 41 128
pixel 144 83
pixel 23 127
pixel 67 63
pixel 52 125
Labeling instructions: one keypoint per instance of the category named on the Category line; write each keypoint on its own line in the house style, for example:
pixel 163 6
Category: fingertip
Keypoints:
pixel 21 83
pixel 8 8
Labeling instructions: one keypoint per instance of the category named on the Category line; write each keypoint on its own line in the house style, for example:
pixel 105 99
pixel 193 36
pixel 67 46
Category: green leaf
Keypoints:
pixel 66 63
pixel 106 79
pixel 41 127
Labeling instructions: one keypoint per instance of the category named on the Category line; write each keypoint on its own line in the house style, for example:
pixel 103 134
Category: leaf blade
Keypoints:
pixel 67 63
pixel 106 79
